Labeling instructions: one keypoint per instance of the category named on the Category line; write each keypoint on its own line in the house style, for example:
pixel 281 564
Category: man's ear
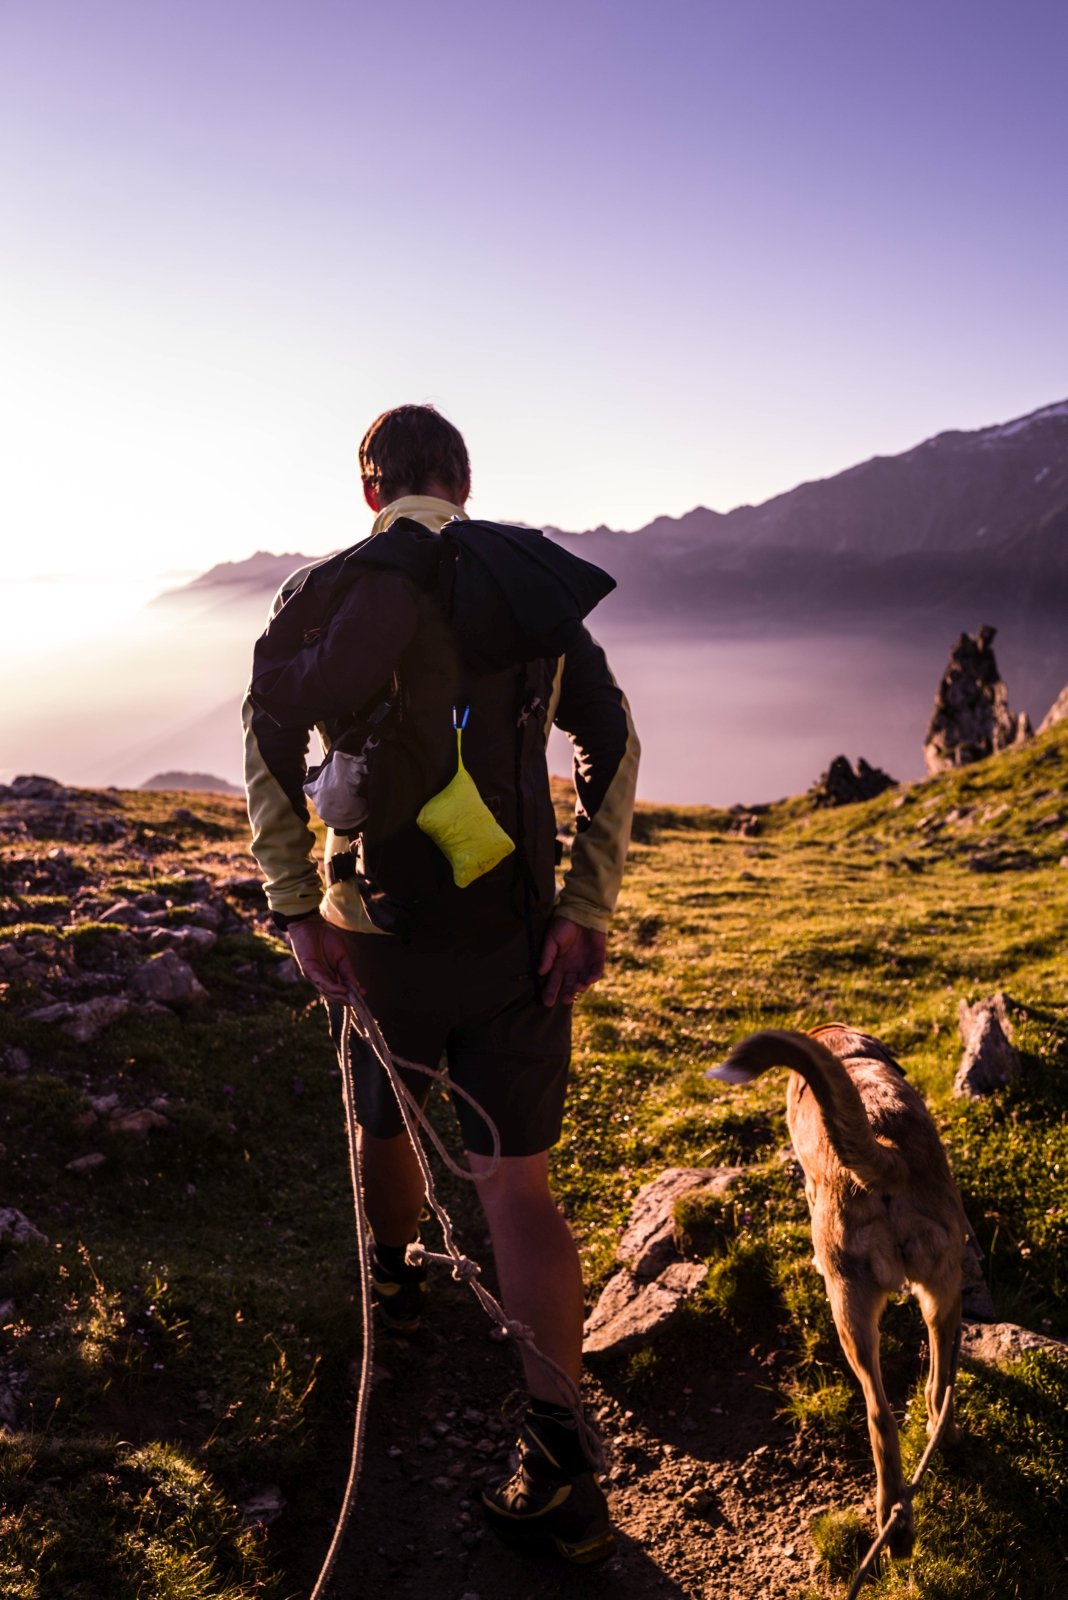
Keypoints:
pixel 371 497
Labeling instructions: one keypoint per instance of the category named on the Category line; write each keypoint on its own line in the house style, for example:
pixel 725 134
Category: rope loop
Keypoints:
pixel 465 1270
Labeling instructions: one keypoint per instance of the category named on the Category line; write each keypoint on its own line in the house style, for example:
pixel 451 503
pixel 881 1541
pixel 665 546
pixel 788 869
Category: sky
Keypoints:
pixel 646 257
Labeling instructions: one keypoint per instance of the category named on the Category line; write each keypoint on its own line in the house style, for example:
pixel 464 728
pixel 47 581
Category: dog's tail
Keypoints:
pixel 848 1129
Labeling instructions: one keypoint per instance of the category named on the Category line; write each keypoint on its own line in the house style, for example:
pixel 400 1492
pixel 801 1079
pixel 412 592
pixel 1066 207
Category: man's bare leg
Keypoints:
pixel 537 1264
pixel 392 1188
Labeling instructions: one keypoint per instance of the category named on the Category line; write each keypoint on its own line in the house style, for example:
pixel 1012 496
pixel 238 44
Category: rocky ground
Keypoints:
pixel 712 1492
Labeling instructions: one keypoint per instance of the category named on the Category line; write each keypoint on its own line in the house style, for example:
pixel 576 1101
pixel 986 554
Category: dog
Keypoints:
pixel 885 1213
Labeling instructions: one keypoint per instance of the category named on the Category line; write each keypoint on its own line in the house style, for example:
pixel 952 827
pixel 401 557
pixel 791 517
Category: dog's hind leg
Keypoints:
pixel 857 1308
pixel 941 1313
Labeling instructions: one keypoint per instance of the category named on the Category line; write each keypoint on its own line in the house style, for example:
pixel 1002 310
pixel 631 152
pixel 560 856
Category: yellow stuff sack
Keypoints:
pixel 463 827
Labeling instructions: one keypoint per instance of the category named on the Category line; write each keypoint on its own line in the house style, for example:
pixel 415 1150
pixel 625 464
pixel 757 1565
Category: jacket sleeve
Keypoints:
pixel 592 710
pixel 361 650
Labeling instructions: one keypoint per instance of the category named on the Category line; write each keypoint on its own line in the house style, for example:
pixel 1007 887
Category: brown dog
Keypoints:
pixel 885 1211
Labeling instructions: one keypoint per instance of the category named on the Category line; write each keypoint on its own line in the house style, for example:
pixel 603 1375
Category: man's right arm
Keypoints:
pixel 363 644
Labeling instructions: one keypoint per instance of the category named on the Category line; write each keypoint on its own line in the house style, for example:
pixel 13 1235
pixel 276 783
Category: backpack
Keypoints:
pixel 503 601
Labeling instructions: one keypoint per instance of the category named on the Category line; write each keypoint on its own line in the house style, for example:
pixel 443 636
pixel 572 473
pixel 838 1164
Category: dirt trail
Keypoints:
pixel 711 1492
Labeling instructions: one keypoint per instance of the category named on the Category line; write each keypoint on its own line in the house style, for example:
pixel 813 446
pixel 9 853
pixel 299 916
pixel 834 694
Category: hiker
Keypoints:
pixel 419 682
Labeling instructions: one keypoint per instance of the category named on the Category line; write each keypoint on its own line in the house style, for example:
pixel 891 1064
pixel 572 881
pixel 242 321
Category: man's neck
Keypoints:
pixel 428 509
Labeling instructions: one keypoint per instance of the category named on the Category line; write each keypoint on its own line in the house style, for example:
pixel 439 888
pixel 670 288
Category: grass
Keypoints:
pixel 185 1334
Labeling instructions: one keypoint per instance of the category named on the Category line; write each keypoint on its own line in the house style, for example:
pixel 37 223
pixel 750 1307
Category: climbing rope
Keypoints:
pixel 907 1497
pixel 359 1018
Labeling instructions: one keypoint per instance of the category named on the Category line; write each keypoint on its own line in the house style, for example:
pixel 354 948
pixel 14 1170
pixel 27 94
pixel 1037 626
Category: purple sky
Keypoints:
pixel 644 256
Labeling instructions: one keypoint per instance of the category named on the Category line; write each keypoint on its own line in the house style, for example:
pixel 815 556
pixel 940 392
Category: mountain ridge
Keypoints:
pixel 990 494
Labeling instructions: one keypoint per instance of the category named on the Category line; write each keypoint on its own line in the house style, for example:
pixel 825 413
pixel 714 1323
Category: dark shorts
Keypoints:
pixel 482 1014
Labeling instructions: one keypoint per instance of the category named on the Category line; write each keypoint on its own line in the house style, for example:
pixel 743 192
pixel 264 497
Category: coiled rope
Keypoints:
pixel 358 1017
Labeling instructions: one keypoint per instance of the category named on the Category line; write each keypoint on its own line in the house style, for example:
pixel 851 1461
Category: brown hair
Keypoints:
pixel 409 447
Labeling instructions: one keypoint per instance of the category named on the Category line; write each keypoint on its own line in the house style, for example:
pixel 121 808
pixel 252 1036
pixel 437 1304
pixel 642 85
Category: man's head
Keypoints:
pixel 413 450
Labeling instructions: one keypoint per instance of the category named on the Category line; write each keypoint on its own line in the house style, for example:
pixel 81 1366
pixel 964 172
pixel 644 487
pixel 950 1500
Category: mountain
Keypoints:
pixel 963 520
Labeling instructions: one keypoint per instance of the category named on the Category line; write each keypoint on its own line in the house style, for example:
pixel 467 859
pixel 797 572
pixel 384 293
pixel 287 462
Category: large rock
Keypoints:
pixel 93 1016
pixel 649 1242
pixel 15 1228
pixel 167 980
pixel 630 1309
pixel 1057 712
pixel 653 1281
pixel 989 1061
pixel 843 784
pixel 996 1344
pixel 971 717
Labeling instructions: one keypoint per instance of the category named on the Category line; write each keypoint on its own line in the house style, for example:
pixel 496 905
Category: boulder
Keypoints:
pixel 15 1228
pixel 31 786
pixel 843 784
pixel 989 1061
pixel 187 936
pixel 971 717
pixel 653 1281
pixel 167 980
pixel 1057 712
pixel 630 1309
pixel 995 1344
pixel 139 1124
pixel 93 1016
pixel 649 1242
pixel 87 1163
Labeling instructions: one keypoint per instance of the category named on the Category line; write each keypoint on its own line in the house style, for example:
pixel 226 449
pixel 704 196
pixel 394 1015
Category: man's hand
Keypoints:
pixel 572 959
pixel 321 952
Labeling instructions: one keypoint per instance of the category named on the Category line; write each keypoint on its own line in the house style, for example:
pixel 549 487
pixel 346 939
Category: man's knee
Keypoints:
pixel 517 1181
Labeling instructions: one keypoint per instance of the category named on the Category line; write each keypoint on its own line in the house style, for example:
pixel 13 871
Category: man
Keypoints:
pixel 484 975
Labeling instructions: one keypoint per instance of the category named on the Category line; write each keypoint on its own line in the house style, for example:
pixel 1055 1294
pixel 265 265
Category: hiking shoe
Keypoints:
pixel 399 1293
pixel 545 1502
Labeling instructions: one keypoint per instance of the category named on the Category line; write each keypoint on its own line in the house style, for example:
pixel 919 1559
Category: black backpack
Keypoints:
pixel 505 601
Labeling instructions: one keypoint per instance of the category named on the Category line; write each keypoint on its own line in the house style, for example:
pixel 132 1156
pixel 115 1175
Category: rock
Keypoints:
pixel 844 785
pixel 184 937
pixel 288 972
pixel 989 1060
pixel 93 1016
pixel 15 1228
pixel 104 1104
pixel 167 980
pixel 87 1163
pixel 631 1309
pixel 998 1343
pixel 30 786
pixel 126 913
pixel 263 1505
pixel 649 1243
pixel 61 1011
pixel 971 717
pixel 139 1124
pixel 16 1061
pixel 1057 712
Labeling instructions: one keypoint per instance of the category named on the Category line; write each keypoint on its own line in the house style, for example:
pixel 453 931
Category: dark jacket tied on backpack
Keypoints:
pixel 383 641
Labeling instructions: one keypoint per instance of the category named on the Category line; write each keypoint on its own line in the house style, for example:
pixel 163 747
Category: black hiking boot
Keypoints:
pixel 552 1498
pixel 399 1290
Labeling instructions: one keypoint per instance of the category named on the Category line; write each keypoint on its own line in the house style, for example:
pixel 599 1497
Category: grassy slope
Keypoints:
pixel 188 1329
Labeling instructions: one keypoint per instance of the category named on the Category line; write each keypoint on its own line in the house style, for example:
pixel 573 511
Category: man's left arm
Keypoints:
pixel 592 710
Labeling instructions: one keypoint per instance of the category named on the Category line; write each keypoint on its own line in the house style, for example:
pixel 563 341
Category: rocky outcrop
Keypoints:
pixel 843 784
pixel 654 1280
pixel 989 1061
pixel 996 1344
pixel 1057 712
pixel 971 717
